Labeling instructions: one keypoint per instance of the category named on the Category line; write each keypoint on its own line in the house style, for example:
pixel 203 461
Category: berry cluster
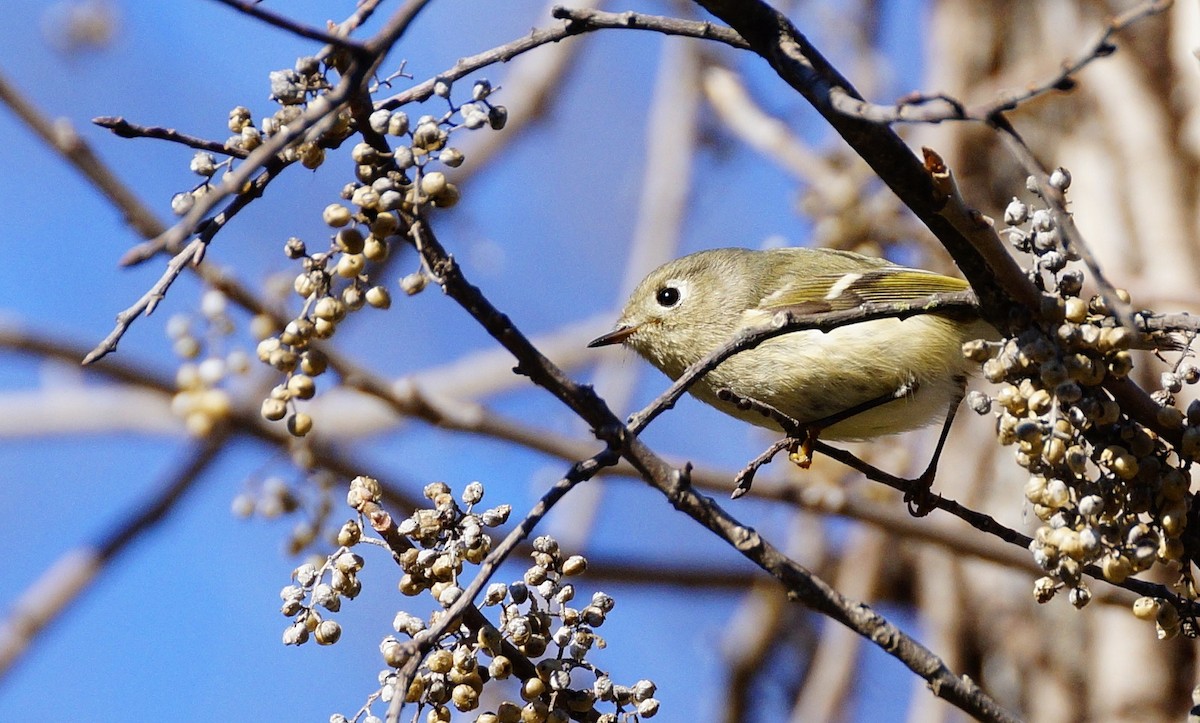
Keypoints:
pixel 341 568
pixel 392 184
pixel 201 399
pixel 535 616
pixel 291 89
pixel 540 643
pixel 1108 490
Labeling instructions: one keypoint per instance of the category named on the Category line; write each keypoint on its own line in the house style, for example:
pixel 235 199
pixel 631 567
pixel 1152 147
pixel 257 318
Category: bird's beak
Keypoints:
pixel 616 336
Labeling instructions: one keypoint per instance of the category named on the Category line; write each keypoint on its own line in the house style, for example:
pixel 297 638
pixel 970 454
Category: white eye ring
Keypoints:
pixel 671 293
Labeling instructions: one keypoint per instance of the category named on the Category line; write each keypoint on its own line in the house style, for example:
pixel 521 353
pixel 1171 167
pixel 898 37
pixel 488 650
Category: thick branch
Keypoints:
pixel 771 35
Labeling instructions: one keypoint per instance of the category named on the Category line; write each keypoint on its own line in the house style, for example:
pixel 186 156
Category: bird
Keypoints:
pixel 855 382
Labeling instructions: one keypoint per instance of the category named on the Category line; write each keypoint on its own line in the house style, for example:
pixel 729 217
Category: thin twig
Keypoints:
pixel 125 129
pixel 148 301
pixel 980 232
pixel 938 107
pixel 745 476
pixel 585 19
pixel 532 88
pixel 283 22
pixel 190 256
pixel 362 13
pixel 1180 322
pixel 567 29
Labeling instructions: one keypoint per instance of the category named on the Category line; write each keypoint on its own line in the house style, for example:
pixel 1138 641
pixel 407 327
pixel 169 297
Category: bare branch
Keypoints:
pixel 285 23
pixel 191 255
pixel 148 301
pixel 585 19
pixel 980 232
pixel 938 107
pixel 125 129
pixel 539 37
pixel 62 137
pixel 62 583
pixel 363 13
pixel 532 87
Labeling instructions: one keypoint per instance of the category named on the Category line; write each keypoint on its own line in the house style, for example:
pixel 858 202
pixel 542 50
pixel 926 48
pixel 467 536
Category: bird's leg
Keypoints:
pixel 919 497
pixel 813 429
pixel 801 436
pixel 744 478
pixel 791 428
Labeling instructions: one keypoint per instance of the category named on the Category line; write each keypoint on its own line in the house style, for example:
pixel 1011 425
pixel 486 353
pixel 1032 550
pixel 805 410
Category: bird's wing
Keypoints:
pixel 834 292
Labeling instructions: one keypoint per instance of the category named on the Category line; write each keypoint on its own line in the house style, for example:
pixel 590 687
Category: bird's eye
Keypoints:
pixel 667 296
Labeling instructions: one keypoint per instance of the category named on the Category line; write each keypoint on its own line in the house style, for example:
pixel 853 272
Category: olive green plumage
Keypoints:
pixel 687 307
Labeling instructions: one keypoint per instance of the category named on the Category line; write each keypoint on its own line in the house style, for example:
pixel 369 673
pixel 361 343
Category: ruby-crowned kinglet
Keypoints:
pixel 688 307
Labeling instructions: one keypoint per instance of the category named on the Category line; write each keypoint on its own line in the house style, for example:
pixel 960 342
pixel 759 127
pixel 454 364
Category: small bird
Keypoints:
pixel 858 381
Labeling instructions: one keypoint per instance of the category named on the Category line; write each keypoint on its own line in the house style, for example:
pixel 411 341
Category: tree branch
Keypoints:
pixel 938 107
pixel 285 23
pixel 61 136
pixel 675 485
pixel 125 129
pixel 995 277
pixel 581 20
